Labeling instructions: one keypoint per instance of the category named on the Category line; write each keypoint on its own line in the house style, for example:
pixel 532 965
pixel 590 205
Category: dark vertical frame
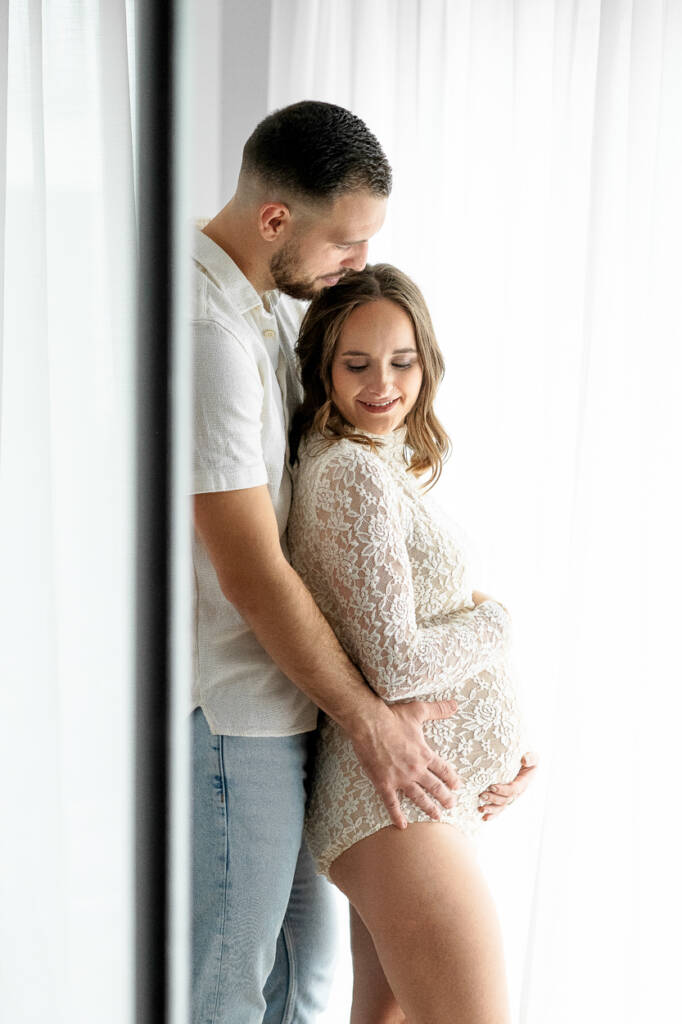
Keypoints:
pixel 156 87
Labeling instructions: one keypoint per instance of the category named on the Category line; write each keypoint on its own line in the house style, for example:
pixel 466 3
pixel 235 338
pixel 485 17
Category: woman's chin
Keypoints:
pixel 372 426
pixel 378 423
pixel 373 423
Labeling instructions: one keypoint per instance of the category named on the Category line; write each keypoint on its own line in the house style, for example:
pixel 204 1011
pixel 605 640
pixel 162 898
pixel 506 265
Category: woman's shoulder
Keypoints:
pixel 318 451
pixel 342 460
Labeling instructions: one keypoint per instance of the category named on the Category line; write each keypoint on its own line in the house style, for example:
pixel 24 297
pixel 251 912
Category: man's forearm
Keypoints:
pixel 280 610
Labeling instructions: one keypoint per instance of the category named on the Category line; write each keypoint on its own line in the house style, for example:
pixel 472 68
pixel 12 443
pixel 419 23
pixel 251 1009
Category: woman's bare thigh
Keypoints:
pixel 427 907
pixel 373 1000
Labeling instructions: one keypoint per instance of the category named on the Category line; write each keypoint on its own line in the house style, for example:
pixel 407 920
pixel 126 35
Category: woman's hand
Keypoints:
pixel 478 598
pixel 496 798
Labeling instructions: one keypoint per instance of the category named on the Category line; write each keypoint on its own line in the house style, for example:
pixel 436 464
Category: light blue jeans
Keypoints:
pixel 262 920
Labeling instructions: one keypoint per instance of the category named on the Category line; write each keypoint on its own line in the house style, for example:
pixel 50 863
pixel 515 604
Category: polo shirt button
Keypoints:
pixel 269 333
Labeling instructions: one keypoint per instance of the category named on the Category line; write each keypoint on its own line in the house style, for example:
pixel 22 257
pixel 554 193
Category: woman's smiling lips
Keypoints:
pixel 378 407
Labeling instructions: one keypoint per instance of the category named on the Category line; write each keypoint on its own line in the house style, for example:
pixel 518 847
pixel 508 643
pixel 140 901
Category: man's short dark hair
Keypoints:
pixel 317 151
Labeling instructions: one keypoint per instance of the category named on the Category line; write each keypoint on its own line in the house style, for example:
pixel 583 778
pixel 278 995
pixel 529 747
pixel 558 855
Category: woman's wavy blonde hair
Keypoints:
pixel 321 330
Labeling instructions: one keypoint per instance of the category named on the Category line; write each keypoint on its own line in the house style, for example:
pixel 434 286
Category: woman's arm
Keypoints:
pixel 360 572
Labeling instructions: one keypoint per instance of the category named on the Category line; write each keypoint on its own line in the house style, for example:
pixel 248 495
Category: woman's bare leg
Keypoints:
pixel 373 1000
pixel 427 907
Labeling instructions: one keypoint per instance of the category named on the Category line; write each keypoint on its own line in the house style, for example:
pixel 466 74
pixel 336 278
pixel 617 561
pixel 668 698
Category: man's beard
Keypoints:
pixel 284 267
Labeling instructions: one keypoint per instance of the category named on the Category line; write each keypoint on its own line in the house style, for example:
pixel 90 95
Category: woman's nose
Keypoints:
pixel 380 381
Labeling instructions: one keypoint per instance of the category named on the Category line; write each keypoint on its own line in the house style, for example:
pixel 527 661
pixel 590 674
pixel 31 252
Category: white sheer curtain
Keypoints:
pixel 66 272
pixel 537 152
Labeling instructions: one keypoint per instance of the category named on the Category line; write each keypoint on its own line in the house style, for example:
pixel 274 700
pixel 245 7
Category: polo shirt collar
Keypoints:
pixel 229 278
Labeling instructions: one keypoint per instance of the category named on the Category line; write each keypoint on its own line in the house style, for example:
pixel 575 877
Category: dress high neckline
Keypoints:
pixel 389 445
pixel 389 448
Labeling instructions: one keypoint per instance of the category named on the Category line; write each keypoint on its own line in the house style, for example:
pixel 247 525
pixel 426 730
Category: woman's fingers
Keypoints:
pixel 496 798
pixel 518 785
pixel 433 789
pixel 492 799
pixel 503 790
pixel 491 810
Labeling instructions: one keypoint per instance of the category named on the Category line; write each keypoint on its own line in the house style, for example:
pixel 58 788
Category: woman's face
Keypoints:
pixel 376 370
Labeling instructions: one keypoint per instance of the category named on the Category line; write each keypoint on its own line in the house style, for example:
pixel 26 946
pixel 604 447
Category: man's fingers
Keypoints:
pixel 392 803
pixel 438 790
pixel 431 710
pixel 444 771
pixel 421 798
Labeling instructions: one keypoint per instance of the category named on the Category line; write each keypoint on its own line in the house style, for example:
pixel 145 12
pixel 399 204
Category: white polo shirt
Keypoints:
pixel 246 388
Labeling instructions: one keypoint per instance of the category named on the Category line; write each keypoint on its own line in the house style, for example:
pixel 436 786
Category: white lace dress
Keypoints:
pixel 393 582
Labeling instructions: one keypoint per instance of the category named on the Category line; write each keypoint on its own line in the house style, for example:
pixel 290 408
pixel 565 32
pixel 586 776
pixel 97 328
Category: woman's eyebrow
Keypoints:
pixel 396 352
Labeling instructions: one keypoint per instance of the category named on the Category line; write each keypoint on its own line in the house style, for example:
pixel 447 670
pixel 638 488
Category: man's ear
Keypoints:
pixel 273 220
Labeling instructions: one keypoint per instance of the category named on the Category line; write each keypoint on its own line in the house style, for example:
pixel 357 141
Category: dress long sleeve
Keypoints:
pixel 358 568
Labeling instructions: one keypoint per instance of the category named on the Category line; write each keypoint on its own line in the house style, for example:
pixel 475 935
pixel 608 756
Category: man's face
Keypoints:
pixel 328 245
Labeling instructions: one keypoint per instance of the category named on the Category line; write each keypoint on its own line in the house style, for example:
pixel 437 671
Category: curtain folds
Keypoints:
pixel 537 149
pixel 66 512
pixel 537 152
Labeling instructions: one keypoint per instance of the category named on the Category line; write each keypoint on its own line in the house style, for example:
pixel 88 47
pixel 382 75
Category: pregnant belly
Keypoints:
pixel 483 738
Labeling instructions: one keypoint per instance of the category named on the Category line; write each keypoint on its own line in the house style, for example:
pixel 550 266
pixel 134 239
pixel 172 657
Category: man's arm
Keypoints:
pixel 239 530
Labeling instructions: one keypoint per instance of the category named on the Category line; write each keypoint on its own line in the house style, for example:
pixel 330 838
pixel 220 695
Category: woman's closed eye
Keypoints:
pixel 359 369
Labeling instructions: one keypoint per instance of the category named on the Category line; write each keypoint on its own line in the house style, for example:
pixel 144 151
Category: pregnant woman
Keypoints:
pixel 393 581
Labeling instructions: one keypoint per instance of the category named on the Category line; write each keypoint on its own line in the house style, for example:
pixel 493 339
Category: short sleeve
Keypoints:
pixel 228 403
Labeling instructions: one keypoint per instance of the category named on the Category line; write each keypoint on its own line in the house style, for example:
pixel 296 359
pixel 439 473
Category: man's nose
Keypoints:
pixel 357 257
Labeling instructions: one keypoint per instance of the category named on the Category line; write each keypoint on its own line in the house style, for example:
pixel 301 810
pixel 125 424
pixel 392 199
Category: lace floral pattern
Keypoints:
pixel 393 583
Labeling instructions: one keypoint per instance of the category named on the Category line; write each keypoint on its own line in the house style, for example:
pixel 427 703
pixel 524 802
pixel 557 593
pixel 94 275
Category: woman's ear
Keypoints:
pixel 273 220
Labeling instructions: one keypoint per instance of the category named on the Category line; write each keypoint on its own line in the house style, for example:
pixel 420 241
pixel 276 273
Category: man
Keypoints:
pixel 311 193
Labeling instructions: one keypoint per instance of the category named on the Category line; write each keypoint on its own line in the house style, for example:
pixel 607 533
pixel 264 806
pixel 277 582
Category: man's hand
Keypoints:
pixel 394 753
pixel 496 798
